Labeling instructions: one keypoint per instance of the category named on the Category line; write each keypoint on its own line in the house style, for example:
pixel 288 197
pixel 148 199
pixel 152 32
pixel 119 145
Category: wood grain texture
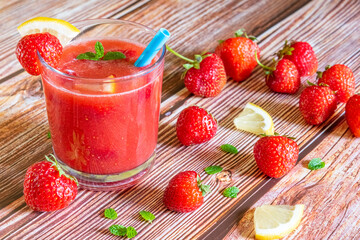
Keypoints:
pixel 23 123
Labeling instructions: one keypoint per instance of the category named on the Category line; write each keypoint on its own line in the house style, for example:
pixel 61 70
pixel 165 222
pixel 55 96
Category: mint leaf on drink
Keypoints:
pixel 231 192
pixel 315 164
pixel 118 230
pixel 130 232
pixel 87 56
pixel 99 54
pixel 147 216
pixel 113 56
pixel 99 49
pixel 110 213
pixel 229 148
pixel 213 169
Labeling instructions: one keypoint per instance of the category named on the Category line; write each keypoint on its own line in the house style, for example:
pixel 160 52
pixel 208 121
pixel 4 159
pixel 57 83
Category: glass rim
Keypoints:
pixel 138 74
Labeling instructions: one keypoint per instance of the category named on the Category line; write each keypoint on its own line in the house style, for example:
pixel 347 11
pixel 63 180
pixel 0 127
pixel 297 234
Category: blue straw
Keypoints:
pixel 153 48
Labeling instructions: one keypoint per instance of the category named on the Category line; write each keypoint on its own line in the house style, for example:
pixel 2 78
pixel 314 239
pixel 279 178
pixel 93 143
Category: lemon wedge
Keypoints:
pixel 254 119
pixel 61 29
pixel 276 221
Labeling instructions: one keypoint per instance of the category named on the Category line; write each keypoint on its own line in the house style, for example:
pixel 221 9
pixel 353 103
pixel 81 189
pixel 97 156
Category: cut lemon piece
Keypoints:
pixel 276 221
pixel 254 119
pixel 61 29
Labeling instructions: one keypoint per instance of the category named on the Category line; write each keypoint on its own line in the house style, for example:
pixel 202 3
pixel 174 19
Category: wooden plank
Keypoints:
pixel 29 144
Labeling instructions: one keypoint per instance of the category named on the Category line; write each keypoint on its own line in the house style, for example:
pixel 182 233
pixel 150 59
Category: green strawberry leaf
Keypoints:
pixel 48 135
pixel 213 169
pixel 118 230
pixel 130 232
pixel 187 66
pixel 231 192
pixel 147 216
pixel 110 213
pixel 205 189
pixel 239 32
pixel 315 164
pixel 229 148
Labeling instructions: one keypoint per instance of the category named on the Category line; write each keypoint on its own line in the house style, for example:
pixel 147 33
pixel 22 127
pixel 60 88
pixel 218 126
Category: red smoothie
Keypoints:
pixel 104 120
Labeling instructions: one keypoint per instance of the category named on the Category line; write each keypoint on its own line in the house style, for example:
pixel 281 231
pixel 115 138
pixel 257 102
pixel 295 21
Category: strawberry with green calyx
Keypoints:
pixel 205 75
pixel 340 78
pixel 47 187
pixel 317 103
pixel 185 192
pixel 276 155
pixel 283 77
pixel 237 55
pixel 302 55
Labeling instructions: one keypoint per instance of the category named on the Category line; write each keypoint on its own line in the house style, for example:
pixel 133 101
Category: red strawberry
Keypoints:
pixel 47 187
pixel 195 125
pixel 352 114
pixel 317 103
pixel 302 55
pixel 185 193
pixel 205 76
pixel 283 78
pixel 238 55
pixel 48 46
pixel 341 79
pixel 275 155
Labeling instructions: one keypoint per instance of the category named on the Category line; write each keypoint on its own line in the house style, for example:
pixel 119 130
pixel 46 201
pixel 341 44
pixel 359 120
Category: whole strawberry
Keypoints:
pixel 317 103
pixel 47 187
pixel 195 125
pixel 341 79
pixel 283 78
pixel 276 155
pixel 205 75
pixel 48 46
pixel 238 55
pixel 185 193
pixel 352 114
pixel 302 55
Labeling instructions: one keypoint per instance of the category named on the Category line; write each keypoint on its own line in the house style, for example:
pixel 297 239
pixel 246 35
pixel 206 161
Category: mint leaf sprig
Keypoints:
pixel 99 54
pixel 315 164
pixel 231 192
pixel 110 213
pixel 122 231
pixel 229 148
pixel 147 216
pixel 213 169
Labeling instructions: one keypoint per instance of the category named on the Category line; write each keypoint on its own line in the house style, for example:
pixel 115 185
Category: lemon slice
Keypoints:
pixel 61 29
pixel 254 119
pixel 276 221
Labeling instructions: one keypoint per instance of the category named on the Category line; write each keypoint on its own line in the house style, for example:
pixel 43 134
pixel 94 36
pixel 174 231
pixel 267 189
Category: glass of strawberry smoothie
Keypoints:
pixel 104 114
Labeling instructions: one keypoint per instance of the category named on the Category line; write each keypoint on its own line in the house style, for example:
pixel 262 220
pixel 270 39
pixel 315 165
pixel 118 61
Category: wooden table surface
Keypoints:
pixel 331 195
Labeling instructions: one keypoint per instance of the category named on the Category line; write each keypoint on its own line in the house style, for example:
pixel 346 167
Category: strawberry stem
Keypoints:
pixel 179 55
pixel 262 65
pixel 58 167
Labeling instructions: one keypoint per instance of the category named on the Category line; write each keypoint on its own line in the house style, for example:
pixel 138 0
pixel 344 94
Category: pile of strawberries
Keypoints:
pixel 274 155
